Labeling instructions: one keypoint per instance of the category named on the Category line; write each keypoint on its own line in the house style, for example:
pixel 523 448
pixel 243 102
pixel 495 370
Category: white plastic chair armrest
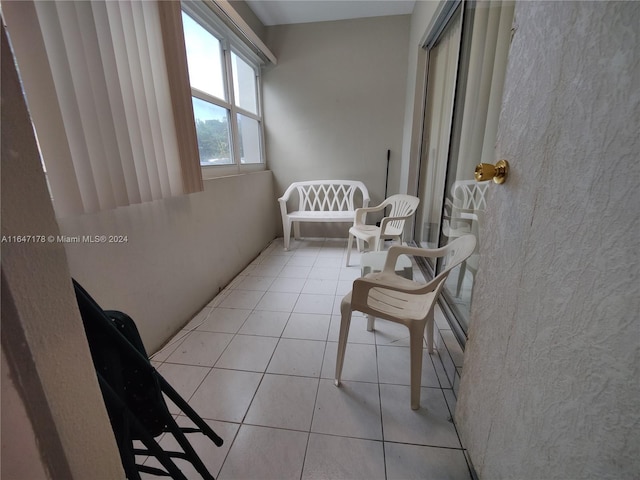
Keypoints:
pixel 361 214
pixel 371 209
pixel 396 250
pixel 283 208
pixel 285 198
pixel 287 193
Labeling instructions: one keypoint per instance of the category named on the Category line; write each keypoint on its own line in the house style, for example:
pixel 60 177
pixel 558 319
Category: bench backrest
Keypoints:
pixel 328 195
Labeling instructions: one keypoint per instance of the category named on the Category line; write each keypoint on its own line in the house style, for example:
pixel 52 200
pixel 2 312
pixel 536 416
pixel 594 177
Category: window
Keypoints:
pixel 96 78
pixel 111 102
pixel 225 92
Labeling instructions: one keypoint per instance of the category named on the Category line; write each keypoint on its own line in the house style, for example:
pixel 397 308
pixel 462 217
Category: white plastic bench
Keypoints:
pixel 321 201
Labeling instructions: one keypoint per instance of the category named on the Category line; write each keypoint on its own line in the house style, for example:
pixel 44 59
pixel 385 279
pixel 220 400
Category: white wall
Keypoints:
pixel 20 452
pixel 179 252
pixel 551 378
pixel 421 20
pixel 248 16
pixel 334 103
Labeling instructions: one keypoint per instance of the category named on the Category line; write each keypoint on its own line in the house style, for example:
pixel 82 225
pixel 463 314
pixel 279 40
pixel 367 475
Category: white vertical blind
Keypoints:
pixel 170 171
pixel 483 95
pixel 117 101
pixel 106 61
pixel 438 115
pixel 499 67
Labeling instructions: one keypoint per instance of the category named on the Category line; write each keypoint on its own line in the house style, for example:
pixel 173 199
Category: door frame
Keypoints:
pixel 433 33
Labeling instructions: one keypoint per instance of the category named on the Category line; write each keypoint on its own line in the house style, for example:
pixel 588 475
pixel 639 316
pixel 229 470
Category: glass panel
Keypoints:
pixel 244 84
pixel 443 63
pixel 212 129
pixel 478 100
pixel 249 132
pixel 204 58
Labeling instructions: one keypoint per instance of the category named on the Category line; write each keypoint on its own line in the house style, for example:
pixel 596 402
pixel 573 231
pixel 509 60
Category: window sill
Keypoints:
pixel 218 171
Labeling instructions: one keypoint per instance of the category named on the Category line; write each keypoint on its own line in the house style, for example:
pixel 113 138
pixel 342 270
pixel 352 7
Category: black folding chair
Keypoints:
pixel 133 394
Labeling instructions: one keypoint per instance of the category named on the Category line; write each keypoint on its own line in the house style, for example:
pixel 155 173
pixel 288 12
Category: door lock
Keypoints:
pixel 486 171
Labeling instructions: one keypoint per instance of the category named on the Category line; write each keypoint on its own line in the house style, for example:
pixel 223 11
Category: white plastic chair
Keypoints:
pixel 463 214
pixel 391 297
pixel 391 226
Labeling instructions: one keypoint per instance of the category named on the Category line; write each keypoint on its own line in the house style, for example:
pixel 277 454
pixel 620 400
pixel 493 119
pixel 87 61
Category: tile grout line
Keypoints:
pixel 384 450
pixel 315 402
pixel 242 420
pixel 263 374
pixel 319 378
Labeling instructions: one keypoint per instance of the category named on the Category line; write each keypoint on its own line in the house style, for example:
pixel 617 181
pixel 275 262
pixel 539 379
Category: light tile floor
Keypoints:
pixel 258 362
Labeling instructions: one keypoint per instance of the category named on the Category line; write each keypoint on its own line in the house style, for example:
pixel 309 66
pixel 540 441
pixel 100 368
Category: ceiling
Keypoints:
pixel 279 12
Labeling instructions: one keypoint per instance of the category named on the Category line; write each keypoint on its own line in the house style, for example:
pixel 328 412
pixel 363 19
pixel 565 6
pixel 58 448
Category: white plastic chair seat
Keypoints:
pixel 366 233
pixel 402 208
pixel 364 229
pixel 461 227
pixel 388 296
pixel 373 262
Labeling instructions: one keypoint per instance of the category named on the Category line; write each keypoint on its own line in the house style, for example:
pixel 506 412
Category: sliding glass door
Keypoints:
pixel 438 116
pixel 466 68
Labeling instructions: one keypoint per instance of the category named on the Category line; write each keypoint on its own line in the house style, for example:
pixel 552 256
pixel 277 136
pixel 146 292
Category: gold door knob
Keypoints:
pixel 486 171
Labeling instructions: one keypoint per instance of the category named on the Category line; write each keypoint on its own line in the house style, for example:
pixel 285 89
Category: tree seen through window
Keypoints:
pixel 213 141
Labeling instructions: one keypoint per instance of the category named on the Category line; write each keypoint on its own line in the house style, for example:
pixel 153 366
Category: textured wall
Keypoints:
pixel 551 375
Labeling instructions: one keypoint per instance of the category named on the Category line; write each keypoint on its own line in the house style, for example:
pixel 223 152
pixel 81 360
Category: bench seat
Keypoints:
pixel 345 216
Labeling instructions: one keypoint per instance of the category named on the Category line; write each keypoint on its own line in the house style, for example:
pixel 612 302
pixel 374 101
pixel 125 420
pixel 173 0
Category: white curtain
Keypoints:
pixel 95 78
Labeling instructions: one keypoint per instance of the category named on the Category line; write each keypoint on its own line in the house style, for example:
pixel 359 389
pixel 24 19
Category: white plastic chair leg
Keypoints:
pixel 286 226
pixel 461 273
pixel 415 348
pixel 349 245
pixel 345 323
pixel 296 230
pixel 370 323
pixel 429 330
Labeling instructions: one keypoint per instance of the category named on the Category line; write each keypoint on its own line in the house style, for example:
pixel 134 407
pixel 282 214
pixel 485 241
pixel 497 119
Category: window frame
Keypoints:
pixel 229 44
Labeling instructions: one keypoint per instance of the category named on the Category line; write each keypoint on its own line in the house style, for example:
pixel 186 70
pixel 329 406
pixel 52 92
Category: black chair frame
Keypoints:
pixel 133 392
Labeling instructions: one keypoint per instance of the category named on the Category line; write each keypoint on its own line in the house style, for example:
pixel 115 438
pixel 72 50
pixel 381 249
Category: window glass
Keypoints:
pixel 212 129
pixel 225 94
pixel 244 84
pixel 466 69
pixel 487 31
pixel 438 113
pixel 249 133
pixel 204 58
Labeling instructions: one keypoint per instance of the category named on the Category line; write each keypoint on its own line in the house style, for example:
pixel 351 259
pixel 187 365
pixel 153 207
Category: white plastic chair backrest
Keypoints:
pixel 456 252
pixel 401 206
pixel 469 194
